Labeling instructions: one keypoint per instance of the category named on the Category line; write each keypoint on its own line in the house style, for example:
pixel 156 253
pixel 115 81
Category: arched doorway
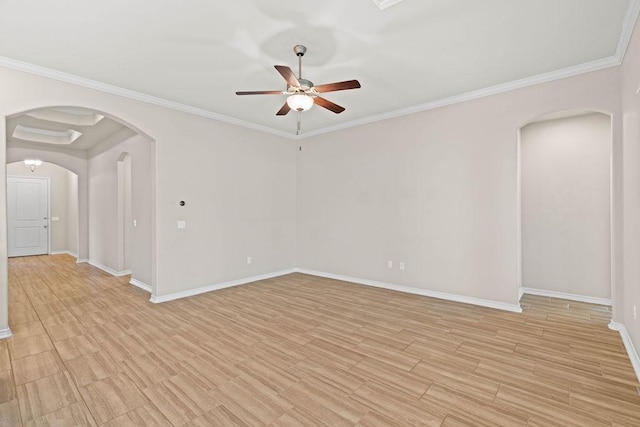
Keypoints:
pixel 89 143
pixel 565 206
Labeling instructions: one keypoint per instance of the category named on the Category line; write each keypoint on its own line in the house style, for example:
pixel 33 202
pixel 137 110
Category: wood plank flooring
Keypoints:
pixel 89 349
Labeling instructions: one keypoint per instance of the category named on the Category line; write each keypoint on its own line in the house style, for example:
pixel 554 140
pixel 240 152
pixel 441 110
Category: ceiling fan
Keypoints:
pixel 302 94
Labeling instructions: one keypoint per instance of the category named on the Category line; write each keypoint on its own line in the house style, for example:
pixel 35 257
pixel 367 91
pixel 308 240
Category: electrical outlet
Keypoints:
pixel 389 264
pixel 248 260
pixel 402 266
pixel 182 224
pixel 135 223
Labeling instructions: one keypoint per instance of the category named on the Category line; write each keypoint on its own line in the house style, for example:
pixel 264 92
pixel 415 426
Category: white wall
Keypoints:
pixel 449 173
pixel 59 179
pixel 566 224
pixel 104 230
pixel 630 294
pixel 127 211
pixel 72 212
pixel 436 190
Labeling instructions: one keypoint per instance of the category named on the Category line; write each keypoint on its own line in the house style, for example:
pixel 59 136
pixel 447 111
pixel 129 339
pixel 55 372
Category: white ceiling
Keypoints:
pixel 194 55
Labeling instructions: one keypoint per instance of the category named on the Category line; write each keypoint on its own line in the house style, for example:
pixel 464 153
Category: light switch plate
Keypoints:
pixel 55 218
pixel 182 224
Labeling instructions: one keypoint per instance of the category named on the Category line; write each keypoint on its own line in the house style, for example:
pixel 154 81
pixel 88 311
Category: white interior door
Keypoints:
pixel 27 216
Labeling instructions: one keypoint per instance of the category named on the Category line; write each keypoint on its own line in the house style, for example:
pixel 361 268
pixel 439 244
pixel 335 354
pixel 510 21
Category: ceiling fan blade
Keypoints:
pixel 328 105
pixel 284 110
pixel 260 92
pixel 332 87
pixel 288 75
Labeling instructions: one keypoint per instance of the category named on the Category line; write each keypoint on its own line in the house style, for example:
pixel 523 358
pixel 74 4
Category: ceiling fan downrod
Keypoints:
pixel 299 50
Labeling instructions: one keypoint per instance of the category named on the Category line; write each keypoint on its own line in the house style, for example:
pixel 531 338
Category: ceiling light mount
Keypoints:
pixel 299 50
pixel 32 165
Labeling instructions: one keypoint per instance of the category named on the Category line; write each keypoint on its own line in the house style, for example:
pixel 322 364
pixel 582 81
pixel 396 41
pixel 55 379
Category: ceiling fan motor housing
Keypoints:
pixel 305 84
pixel 301 93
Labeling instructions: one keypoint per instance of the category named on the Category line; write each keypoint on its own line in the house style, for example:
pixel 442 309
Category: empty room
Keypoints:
pixel 293 213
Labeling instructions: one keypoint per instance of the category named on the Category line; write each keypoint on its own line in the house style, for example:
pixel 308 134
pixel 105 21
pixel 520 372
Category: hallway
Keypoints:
pixel 90 349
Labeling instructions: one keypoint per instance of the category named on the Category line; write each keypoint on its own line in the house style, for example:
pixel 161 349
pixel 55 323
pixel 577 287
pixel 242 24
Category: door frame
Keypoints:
pixel 46 178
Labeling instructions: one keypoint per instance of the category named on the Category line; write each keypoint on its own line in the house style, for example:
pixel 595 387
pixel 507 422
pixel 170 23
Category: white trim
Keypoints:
pixel 48 215
pixel 5 333
pixel 627 29
pixel 141 285
pixel 520 293
pixel 562 295
pixel 611 61
pixel 416 291
pixel 588 67
pixel 628 345
pixel 109 270
pixel 64 253
pixel 131 94
pixel 82 261
pixel 201 290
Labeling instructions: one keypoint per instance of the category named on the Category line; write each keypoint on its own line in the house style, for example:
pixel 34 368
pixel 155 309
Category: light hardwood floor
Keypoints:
pixel 299 350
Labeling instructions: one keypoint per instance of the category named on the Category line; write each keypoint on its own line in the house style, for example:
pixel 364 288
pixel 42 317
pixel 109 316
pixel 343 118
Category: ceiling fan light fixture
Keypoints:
pixel 300 102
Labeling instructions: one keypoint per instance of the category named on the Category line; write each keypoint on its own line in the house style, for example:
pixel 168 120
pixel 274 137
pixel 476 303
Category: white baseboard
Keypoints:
pixel 82 261
pixel 201 290
pixel 628 344
pixel 141 285
pixel 5 333
pixel 109 270
pixel 417 291
pixel 64 253
pixel 520 293
pixel 561 295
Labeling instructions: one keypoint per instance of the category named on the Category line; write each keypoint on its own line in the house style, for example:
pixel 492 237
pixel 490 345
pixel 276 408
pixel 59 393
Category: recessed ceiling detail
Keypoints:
pixel 46 136
pixel 68 115
pixel 65 128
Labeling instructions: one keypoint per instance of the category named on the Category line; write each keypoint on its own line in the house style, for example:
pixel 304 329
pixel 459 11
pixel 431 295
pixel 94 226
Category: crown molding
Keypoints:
pixel 132 94
pixel 588 67
pixel 627 29
pixel 615 60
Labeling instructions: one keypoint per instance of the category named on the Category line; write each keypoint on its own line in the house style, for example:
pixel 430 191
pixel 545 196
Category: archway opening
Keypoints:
pixel 565 206
pixel 91 144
